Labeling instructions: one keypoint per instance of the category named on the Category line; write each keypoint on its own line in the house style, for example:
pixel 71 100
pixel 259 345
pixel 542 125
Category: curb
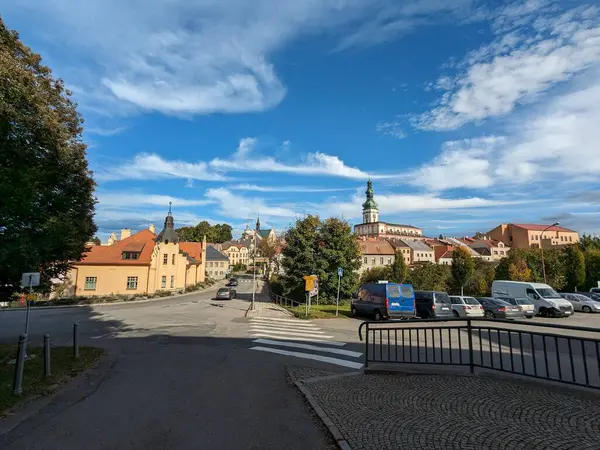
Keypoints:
pixel 120 302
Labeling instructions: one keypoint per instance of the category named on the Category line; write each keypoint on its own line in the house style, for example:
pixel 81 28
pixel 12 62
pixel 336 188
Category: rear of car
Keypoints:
pixel 463 306
pixel 225 294
pixel 526 305
pixel 499 309
pixel 433 305
pixel 233 282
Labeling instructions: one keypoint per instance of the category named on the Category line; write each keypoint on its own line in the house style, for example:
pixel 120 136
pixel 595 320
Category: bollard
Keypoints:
pixel 20 365
pixel 76 340
pixel 47 371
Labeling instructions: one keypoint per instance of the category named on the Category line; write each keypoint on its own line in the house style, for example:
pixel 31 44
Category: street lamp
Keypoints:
pixel 254 270
pixel 542 248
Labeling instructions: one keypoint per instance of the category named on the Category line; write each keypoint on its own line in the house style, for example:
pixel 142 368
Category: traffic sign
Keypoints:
pixel 340 272
pixel 315 290
pixel 30 279
pixel 309 282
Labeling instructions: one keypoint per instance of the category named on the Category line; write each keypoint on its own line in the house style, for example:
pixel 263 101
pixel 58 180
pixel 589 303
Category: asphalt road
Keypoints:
pixel 184 378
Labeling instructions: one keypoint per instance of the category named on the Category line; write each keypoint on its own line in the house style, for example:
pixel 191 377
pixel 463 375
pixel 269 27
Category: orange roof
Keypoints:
pixel 372 247
pixel 534 227
pixel 447 254
pixel 193 249
pixel 142 241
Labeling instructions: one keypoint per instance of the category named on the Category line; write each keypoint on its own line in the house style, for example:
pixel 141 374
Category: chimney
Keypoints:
pixel 125 233
pixel 112 238
pixel 152 228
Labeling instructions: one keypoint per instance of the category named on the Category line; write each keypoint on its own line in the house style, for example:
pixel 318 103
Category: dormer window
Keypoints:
pixel 131 255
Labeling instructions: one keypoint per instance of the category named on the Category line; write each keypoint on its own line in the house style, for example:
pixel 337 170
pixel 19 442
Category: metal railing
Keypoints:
pixel 281 300
pixel 559 353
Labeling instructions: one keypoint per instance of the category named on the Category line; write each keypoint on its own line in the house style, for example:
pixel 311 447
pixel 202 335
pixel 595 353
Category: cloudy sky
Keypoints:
pixel 464 113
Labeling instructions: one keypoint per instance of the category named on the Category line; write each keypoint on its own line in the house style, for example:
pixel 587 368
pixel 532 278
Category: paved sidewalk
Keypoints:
pixel 393 411
pixel 264 307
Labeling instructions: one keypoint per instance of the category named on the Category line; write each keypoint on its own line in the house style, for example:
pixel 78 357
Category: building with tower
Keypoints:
pixel 372 227
pixel 140 263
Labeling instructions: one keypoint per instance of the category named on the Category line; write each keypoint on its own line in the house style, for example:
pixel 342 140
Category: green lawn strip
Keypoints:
pixel 320 311
pixel 63 366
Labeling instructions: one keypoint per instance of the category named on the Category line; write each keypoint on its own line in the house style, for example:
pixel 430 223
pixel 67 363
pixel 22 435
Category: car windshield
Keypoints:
pixel 470 301
pixel 548 293
pixel 442 297
pixel 524 301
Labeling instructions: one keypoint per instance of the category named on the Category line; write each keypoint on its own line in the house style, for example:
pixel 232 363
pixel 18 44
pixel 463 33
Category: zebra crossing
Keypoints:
pixel 300 339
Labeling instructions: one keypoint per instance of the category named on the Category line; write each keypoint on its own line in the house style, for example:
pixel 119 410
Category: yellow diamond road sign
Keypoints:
pixel 309 282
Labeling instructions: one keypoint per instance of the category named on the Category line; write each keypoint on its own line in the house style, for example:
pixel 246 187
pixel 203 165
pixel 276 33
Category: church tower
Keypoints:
pixel 370 210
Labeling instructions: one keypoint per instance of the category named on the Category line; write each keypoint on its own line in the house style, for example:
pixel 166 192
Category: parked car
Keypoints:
pixel 591 295
pixel 385 300
pixel 463 306
pixel 225 293
pixel 494 308
pixel 582 302
pixel 595 290
pixel 433 305
pixel 525 304
pixel 232 282
pixel 546 300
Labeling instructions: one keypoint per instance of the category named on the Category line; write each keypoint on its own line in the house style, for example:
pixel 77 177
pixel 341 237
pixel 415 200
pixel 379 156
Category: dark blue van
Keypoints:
pixel 385 300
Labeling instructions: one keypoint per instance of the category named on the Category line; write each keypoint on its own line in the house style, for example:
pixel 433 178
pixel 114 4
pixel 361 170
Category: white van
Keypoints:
pixel 546 300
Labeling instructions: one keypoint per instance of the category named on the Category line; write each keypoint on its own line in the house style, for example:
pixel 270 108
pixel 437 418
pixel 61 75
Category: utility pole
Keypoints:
pixel 254 269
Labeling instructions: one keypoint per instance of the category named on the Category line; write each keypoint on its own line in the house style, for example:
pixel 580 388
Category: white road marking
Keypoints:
pixel 290 333
pixel 337 351
pixel 303 339
pixel 277 319
pixel 283 324
pixel 292 329
pixel 327 359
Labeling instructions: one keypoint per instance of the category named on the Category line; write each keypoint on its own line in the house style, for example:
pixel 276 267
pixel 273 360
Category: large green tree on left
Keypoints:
pixel 46 189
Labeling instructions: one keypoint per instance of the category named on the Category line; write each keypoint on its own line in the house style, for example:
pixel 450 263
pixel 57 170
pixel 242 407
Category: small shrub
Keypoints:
pixel 162 294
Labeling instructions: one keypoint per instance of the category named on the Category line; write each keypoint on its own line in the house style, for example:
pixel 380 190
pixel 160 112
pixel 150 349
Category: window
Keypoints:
pixel 381 260
pixel 90 283
pixel 173 259
pixel 132 282
pixel 131 255
pixel 173 280
pixel 163 282
pixel 495 252
pixel 562 238
pixel 222 264
pixel 389 260
pixel 373 261
pixel 570 238
pixel 165 259
pixel 366 260
pixel 210 264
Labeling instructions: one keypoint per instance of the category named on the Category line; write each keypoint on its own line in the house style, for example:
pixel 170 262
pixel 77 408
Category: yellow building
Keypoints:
pixel 237 253
pixel 530 235
pixel 142 263
pixel 375 253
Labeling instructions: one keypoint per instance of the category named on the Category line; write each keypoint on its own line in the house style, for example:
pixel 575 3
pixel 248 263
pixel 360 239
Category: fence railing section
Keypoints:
pixel 553 352
pixel 281 300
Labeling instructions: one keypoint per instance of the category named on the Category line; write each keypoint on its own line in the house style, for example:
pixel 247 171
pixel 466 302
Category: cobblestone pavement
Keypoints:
pixel 395 411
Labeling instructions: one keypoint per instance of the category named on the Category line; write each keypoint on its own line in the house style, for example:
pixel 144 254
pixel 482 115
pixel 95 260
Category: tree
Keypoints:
pixel 592 265
pixel 398 270
pixel 46 189
pixel 96 240
pixel 217 234
pixel 222 233
pixel 270 249
pixel 480 283
pixel 430 277
pixel 299 255
pixel 574 268
pixel 519 271
pixel 462 267
pixel 375 274
pixel 589 242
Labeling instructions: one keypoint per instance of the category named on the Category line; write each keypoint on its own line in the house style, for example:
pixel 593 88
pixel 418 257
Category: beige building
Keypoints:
pixel 237 253
pixel 489 249
pixel 142 263
pixel 217 263
pixel 372 227
pixel 530 235
pixel 375 253
pixel 418 251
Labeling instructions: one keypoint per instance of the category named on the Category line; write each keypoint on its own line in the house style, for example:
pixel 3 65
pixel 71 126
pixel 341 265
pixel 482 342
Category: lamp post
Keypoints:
pixel 542 248
pixel 254 271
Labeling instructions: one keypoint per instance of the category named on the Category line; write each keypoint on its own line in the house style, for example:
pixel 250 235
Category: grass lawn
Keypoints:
pixel 63 366
pixel 321 311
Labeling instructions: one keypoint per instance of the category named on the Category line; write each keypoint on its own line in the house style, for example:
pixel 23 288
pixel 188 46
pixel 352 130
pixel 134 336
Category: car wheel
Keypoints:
pixel 353 311
pixel 378 315
pixel 586 309
pixel 489 315
pixel 455 313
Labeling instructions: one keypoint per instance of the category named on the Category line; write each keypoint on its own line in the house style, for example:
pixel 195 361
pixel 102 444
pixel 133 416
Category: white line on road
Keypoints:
pixel 337 351
pixel 327 359
pixel 290 333
pixel 303 339
pixel 292 329
pixel 300 322
pixel 281 324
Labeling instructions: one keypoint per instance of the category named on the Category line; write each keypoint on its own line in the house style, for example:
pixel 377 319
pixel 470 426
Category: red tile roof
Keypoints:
pixel 447 254
pixel 372 247
pixel 534 227
pixel 142 241
pixel 193 249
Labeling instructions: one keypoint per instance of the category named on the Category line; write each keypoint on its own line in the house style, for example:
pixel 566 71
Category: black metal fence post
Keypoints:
pixel 367 347
pixel 76 340
pixel 20 365
pixel 47 371
pixel 470 332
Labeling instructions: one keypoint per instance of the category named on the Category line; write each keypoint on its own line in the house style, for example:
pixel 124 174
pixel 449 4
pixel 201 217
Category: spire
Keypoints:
pixel 168 233
pixel 169 213
pixel 258 222
pixel 370 203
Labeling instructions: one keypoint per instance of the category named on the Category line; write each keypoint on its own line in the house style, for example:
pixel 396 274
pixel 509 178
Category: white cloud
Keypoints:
pixel 232 205
pixel 254 187
pixel 105 131
pixel 133 199
pixel 151 166
pixel 391 129
pixel 516 67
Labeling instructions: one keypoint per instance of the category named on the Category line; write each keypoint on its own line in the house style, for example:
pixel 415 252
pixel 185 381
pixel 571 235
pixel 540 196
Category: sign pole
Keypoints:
pixel 28 300
pixel 337 305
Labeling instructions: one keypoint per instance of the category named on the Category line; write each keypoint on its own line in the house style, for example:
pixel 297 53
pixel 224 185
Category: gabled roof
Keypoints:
pixel 142 242
pixel 376 247
pixel 212 254
pixel 535 227
pixel 264 233
pixel 487 243
pixel 416 245
pixel 193 250
pixel 447 254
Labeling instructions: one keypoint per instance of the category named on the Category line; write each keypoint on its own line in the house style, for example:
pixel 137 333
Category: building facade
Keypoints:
pixel 375 253
pixel 373 227
pixel 217 264
pixel 530 235
pixel 142 263
pixel 418 251
pixel 237 253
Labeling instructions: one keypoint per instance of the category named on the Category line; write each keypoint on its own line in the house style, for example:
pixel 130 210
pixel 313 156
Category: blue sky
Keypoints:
pixel 464 113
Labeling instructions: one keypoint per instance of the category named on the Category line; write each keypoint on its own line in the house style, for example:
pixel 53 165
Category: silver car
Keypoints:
pixel 466 306
pixel 582 303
